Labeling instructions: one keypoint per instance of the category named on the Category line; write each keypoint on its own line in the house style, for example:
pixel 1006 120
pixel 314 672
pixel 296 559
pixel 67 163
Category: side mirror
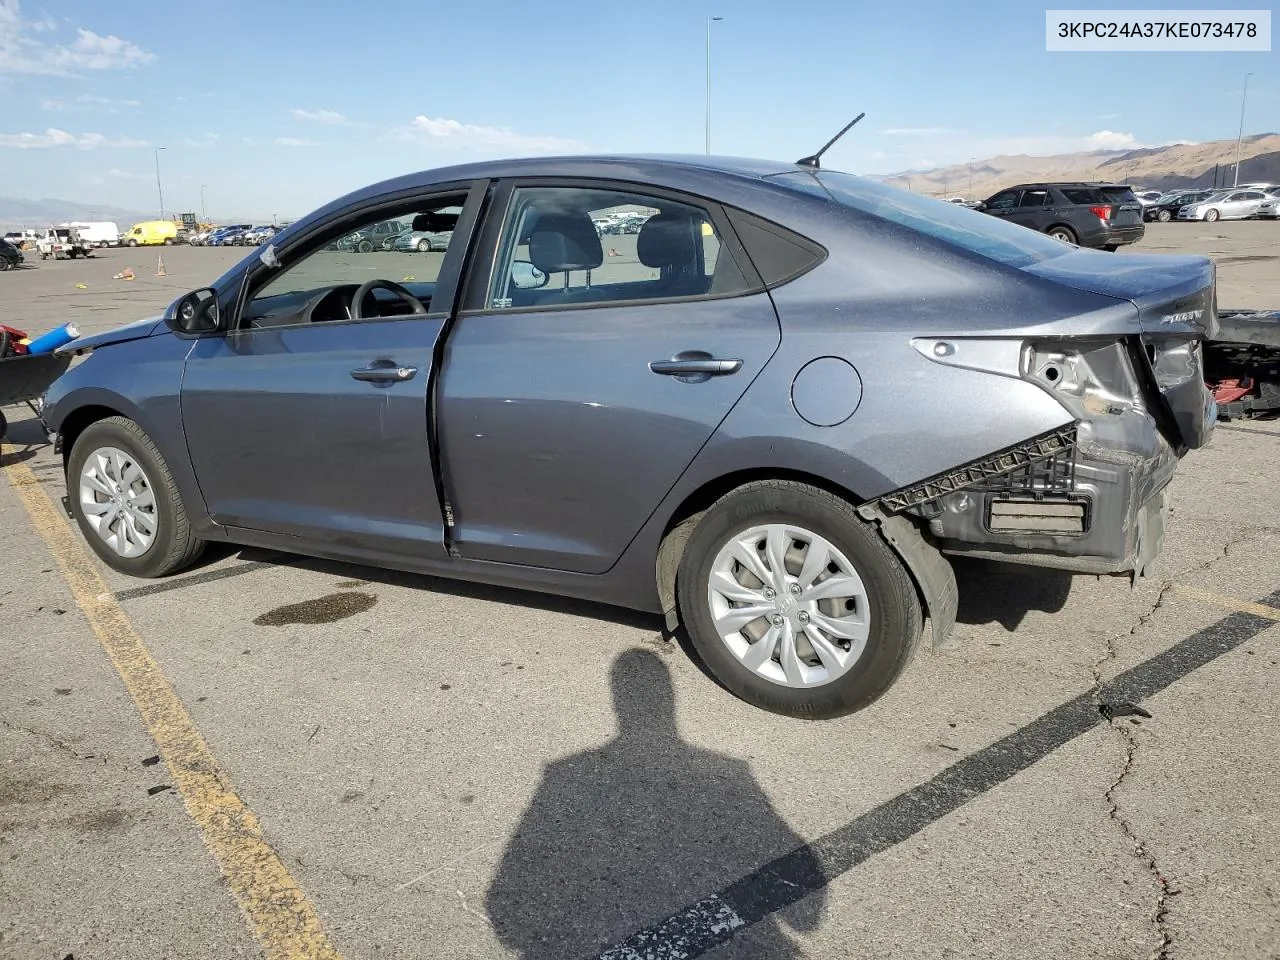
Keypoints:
pixel 197 312
pixel 979 205
pixel 525 276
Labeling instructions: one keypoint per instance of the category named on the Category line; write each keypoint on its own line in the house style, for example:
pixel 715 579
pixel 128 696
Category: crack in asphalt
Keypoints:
pixel 53 741
pixel 1159 917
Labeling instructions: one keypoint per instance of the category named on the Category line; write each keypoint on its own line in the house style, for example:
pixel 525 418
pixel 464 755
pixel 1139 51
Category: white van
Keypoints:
pixel 97 233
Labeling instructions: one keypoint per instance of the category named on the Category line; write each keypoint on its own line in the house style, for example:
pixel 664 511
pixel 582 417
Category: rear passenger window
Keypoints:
pixel 571 246
pixel 778 254
pixel 1034 198
pixel 1081 195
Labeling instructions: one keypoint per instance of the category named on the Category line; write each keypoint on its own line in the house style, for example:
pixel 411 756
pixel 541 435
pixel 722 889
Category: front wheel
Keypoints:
pixel 1212 215
pixel 1164 216
pixel 794 603
pixel 126 503
pixel 424 246
pixel 133 243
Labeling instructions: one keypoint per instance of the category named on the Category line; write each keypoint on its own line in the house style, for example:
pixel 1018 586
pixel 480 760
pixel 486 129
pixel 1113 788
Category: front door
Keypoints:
pixel 310 418
pixel 592 371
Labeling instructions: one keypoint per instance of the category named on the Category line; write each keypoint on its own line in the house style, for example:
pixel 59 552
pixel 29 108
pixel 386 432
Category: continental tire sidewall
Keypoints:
pixel 894 607
pixel 113 433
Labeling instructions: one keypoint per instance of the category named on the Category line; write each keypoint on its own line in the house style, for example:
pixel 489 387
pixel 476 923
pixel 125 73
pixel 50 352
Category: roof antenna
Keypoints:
pixel 813 160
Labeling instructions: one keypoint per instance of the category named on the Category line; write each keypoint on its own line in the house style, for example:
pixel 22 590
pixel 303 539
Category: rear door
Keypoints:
pixel 587 372
pixel 1035 208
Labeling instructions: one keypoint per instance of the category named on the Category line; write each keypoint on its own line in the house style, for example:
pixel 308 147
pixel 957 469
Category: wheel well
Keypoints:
pixel 77 421
pixel 685 517
pixel 1061 226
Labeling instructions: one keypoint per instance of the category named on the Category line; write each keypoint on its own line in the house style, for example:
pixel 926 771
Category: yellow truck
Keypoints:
pixel 151 232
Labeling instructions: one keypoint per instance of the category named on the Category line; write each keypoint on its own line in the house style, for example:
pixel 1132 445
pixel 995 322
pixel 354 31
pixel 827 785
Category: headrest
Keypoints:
pixel 435 222
pixel 563 241
pixel 667 240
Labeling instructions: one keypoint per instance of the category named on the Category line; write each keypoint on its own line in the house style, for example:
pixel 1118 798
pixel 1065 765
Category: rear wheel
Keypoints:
pixel 365 246
pixel 1164 216
pixel 794 603
pixel 1065 234
pixel 126 503
pixel 1212 215
pixel 168 241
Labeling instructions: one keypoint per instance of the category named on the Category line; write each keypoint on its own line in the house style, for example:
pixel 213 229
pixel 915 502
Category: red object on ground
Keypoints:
pixel 11 339
pixel 1228 391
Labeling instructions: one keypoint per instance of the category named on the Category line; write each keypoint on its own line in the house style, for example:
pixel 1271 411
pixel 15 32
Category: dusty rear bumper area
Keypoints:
pixel 1088 498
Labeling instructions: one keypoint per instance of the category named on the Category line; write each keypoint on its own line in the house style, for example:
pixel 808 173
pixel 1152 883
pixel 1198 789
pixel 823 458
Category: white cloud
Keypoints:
pixel 126 175
pixel 294 142
pixel 88 101
pixel 208 140
pixel 468 136
pixel 320 116
pixel 53 137
pixel 22 52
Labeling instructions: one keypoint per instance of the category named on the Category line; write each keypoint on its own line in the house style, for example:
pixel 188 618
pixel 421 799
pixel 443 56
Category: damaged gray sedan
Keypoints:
pixel 771 415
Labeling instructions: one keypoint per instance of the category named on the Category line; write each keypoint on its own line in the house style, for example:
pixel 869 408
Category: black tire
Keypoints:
pixel 168 241
pixel 133 242
pixel 1164 216
pixel 365 246
pixel 174 546
pixel 1212 216
pixel 1111 247
pixel 894 607
pixel 1065 234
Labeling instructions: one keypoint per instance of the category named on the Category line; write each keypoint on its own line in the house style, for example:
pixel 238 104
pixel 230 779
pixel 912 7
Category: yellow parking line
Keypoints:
pixel 1230 603
pixel 279 913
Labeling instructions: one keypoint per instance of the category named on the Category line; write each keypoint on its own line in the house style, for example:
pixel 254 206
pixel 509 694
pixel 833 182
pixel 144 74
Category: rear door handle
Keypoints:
pixel 695 368
pixel 384 371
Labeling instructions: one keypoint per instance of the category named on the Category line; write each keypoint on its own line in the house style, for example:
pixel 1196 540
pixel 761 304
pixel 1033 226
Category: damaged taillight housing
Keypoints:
pixel 1090 378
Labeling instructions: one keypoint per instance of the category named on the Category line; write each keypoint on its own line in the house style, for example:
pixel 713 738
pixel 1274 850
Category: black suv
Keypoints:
pixel 1105 215
pixel 10 256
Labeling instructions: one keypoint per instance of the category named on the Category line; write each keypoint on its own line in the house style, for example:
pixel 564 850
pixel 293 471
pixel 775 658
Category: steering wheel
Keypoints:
pixel 363 291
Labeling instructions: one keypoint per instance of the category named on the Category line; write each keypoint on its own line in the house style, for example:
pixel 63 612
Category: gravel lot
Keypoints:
pixel 456 771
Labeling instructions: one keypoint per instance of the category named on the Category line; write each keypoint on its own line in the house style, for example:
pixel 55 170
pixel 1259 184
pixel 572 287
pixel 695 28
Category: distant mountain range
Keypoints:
pixel 1153 168
pixel 16 213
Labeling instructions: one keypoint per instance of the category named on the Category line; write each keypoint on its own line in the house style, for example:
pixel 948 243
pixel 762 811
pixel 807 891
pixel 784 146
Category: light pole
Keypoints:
pixel 1240 136
pixel 159 189
pixel 203 215
pixel 969 195
pixel 710 20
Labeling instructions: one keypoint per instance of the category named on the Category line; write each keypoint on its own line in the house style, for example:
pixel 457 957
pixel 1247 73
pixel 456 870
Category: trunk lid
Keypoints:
pixel 1177 310
pixel 1126 208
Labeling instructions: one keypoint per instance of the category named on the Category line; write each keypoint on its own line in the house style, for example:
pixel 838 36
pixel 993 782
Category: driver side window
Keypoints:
pixel 407 250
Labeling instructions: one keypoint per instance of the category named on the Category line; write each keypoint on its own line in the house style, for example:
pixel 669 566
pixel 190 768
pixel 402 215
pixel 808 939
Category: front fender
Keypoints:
pixel 140 380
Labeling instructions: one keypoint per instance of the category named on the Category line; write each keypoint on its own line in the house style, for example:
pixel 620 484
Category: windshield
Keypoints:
pixel 970 230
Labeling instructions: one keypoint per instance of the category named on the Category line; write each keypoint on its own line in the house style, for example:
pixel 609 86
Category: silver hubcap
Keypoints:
pixel 118 502
pixel 789 605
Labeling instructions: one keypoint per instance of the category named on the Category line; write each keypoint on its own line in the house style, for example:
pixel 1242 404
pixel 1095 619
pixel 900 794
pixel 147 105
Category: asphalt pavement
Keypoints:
pixel 283 757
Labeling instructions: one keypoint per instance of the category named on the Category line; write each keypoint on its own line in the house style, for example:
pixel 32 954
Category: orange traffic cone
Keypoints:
pixel 125 274
pixel 160 272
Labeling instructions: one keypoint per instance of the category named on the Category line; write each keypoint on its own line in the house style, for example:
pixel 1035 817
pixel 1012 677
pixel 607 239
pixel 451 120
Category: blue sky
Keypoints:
pixel 277 107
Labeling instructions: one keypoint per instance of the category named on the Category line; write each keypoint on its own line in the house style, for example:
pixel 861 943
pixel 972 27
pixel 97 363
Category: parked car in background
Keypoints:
pixel 151 232
pixel 1079 213
pixel 422 241
pixel 227 237
pixel 96 233
pixel 1225 205
pixel 377 236
pixel 1167 207
pixel 1148 197
pixel 1269 209
pixel 216 236
pixel 721 437
pixel 10 255
pixel 257 236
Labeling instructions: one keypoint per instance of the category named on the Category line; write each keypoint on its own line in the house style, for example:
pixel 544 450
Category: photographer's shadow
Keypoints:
pixel 621 837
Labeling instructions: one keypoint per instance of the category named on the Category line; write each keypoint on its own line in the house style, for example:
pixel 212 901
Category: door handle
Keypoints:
pixel 384 372
pixel 695 369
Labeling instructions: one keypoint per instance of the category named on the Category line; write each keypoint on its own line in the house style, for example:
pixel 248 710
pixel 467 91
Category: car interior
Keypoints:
pixel 338 283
